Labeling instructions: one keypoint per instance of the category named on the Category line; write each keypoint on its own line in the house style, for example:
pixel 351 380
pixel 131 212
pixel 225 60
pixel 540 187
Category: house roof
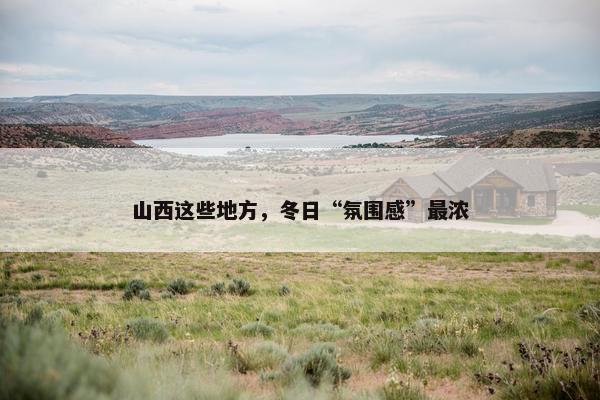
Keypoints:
pixel 577 169
pixel 531 175
pixel 427 185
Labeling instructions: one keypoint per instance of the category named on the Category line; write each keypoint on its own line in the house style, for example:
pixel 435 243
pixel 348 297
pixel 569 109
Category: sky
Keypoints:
pixel 282 47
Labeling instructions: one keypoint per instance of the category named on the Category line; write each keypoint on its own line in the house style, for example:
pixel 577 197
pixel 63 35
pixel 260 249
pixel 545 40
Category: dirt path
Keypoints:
pixel 566 223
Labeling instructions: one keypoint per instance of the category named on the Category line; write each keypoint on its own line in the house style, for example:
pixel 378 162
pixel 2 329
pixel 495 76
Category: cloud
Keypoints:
pixel 286 47
pixel 35 71
pixel 217 8
pixel 417 72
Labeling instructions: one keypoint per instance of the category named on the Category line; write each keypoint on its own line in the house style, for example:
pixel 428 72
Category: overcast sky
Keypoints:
pixel 244 47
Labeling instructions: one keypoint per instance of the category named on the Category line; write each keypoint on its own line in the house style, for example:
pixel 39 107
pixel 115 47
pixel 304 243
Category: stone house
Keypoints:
pixel 492 187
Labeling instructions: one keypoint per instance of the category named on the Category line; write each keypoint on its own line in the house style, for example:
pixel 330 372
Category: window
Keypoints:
pixel 531 200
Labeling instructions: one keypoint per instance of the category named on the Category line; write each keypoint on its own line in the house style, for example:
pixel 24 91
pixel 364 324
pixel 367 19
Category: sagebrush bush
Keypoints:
pixel 144 294
pixel 147 329
pixel 34 315
pixel 283 290
pixel 318 365
pixel 217 288
pixel 260 357
pixel 586 265
pixel 136 288
pixel 239 287
pixel 590 312
pixel 59 316
pixel 266 355
pixel 179 286
pixel 257 328
pixel 43 364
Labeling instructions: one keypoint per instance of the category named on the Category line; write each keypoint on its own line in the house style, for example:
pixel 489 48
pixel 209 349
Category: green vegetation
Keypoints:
pixel 179 286
pixel 257 329
pixel 239 287
pixel 587 265
pixel 136 288
pixel 557 263
pixel 147 329
pixel 374 145
pixel 374 325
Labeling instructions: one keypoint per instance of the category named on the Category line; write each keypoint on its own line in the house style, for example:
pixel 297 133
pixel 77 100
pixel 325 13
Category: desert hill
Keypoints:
pixel 542 138
pixel 40 135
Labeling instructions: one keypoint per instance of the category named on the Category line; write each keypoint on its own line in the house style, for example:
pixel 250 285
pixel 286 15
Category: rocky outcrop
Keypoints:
pixel 223 121
pixel 542 138
pixel 15 135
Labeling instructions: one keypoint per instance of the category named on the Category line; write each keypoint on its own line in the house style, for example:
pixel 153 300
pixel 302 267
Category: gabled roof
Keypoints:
pixel 427 185
pixel 531 175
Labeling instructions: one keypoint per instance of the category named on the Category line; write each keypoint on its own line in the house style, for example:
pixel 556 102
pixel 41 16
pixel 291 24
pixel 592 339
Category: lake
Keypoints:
pixel 220 145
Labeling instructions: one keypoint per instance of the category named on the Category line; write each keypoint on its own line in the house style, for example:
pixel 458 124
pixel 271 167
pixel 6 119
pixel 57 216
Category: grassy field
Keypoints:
pixel 300 325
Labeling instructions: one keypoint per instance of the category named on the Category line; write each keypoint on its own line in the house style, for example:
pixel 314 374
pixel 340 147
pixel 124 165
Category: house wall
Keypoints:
pixel 411 214
pixel 401 191
pixel 539 209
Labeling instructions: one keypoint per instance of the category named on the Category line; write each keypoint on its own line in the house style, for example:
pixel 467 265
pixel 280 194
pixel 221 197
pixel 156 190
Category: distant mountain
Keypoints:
pixel 61 136
pixel 145 117
pixel 543 138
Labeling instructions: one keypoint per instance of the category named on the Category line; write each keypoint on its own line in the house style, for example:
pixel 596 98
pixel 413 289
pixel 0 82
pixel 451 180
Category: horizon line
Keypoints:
pixel 305 95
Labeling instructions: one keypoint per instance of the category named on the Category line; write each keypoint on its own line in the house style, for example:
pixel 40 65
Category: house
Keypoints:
pixel 492 187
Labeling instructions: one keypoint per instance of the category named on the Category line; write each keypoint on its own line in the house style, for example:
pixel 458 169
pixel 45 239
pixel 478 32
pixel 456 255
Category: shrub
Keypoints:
pixel 547 373
pixel 283 290
pixel 266 355
pixel 239 360
pixel 7 267
pixel 257 328
pixel 37 277
pixel 133 288
pixel 179 286
pixel 590 312
pixel 217 288
pixel 147 329
pixel 43 364
pixel 318 365
pixel 385 346
pixel 59 316
pixel 239 287
pixel 35 315
pixel 587 265
pixel 557 263
pixel 144 294
pixel 261 356
pixel 397 389
pixel 6 272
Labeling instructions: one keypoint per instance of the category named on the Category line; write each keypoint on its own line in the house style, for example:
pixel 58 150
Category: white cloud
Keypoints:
pixel 35 71
pixel 286 46
pixel 423 71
